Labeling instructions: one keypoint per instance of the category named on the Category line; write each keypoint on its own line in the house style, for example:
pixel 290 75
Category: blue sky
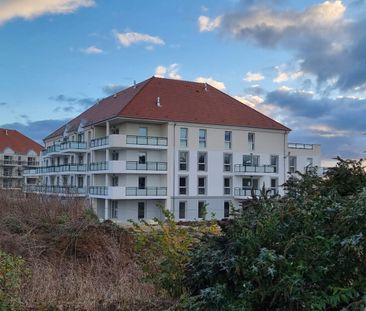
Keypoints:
pixel 300 62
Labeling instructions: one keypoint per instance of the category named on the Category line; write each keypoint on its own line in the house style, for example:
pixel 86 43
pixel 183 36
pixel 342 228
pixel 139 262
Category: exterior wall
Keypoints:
pixel 303 152
pixel 102 172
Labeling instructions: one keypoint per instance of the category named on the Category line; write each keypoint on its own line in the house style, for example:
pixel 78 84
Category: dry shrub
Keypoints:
pixel 75 262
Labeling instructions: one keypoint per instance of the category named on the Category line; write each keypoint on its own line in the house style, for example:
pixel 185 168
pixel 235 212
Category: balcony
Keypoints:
pixel 147 140
pixel 148 166
pixel 55 149
pixel 98 166
pixel 121 193
pixel 254 169
pixel 247 192
pixel 11 163
pixel 147 192
pixel 66 168
pixel 59 190
pixel 72 146
pixel 300 146
pixel 128 141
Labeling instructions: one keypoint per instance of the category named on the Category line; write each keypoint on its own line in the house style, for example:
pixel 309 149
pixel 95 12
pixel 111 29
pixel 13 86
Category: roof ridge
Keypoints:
pixel 146 82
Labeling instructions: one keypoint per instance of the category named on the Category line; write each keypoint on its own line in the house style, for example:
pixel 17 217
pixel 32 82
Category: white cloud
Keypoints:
pixel 253 76
pixel 257 102
pixel 217 84
pixel 128 38
pixel 92 50
pixel 284 76
pixel 206 24
pixel 29 9
pixel 168 72
pixel 320 15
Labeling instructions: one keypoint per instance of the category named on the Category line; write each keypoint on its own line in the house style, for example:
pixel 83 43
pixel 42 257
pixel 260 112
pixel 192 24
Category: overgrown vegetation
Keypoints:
pixel 304 251
pixel 74 262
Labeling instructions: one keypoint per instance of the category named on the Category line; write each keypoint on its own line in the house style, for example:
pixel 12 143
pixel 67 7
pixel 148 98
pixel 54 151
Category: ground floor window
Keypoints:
pixel 182 210
pixel 141 210
pixel 226 209
pixel 202 211
pixel 113 208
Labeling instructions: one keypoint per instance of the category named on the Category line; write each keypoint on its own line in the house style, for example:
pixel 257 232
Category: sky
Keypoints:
pixel 302 63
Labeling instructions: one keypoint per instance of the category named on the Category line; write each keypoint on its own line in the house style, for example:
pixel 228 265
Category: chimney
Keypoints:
pixel 134 84
pixel 205 86
pixel 158 102
pixel 6 132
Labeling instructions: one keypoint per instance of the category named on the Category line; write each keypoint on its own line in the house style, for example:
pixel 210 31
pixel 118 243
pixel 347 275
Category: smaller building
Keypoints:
pixel 17 153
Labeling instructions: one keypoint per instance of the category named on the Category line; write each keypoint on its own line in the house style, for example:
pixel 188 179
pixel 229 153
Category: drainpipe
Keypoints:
pixel 284 157
pixel 174 169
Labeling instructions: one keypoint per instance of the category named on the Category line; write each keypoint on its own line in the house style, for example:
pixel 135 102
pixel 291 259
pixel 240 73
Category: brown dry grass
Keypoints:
pixel 75 263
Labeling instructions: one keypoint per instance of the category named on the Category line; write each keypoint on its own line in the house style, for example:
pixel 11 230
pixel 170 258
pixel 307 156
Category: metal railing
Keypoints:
pixel 58 169
pixel 98 190
pixel 97 142
pixel 146 140
pixel 148 166
pixel 73 145
pixel 148 191
pixel 50 149
pixel 300 146
pixel 98 166
pixel 54 189
pixel 247 192
pixel 239 168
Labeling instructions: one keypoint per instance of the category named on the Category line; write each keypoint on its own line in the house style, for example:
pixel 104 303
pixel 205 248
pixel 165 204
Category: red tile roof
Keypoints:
pixel 183 101
pixel 17 142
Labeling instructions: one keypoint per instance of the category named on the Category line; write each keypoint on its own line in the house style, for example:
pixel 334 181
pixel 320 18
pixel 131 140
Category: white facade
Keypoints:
pixel 127 168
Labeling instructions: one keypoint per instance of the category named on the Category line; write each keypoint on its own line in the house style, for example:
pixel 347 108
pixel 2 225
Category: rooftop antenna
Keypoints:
pixel 134 84
pixel 158 102
pixel 114 95
pixel 205 86
pixel 6 132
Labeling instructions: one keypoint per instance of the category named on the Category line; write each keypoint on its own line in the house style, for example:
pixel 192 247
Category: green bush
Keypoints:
pixel 302 252
pixel 11 270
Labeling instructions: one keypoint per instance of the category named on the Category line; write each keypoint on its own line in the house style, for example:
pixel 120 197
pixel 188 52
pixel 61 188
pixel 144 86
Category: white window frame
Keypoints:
pixel 228 143
pixel 183 136
pixel 202 138
pixel 205 163
pixel 186 163
pixel 202 190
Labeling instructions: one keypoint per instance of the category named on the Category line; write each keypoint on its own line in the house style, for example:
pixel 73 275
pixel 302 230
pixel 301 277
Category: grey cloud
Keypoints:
pixel 36 130
pixel 111 89
pixel 334 50
pixel 255 90
pixel 3 104
pixel 72 104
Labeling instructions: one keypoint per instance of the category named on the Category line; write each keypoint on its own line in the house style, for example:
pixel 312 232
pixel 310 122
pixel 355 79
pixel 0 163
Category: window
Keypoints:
pixel 274 163
pixel 80 181
pixel 80 160
pixel 227 139
pixel 8 171
pixel 201 186
pixel 114 181
pixel 226 209
pixel 8 159
pixel 227 185
pixel 202 138
pixel 142 182
pixel 80 137
pixel 309 161
pixel 250 160
pixel 251 141
pixel 183 137
pixel 183 185
pixel 249 183
pixel 115 155
pixel 292 164
pixel 183 160
pixel 141 210
pixel 113 209
pixel 274 185
pixel 31 161
pixel 114 130
pixel 19 160
pixel 142 158
pixel 142 131
pixel 202 161
pixel 202 211
pixel 228 162
pixel 182 210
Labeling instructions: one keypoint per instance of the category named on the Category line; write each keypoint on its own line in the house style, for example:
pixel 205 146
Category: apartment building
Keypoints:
pixel 17 153
pixel 183 145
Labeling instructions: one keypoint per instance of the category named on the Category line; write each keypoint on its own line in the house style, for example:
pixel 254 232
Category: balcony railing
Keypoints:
pixel 50 149
pixel 149 191
pixel 98 190
pixel 96 142
pixel 238 168
pixel 73 145
pixel 147 140
pixel 58 169
pixel 54 189
pixel 98 166
pixel 300 146
pixel 148 166
pixel 247 192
